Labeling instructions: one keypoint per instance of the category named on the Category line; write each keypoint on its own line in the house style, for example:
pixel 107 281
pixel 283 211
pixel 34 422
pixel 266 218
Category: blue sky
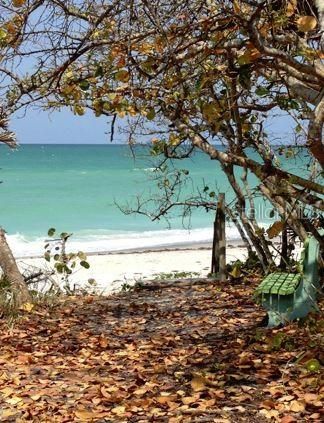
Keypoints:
pixel 40 127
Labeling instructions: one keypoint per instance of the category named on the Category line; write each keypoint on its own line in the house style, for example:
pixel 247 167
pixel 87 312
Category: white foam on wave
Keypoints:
pixel 146 169
pixel 107 241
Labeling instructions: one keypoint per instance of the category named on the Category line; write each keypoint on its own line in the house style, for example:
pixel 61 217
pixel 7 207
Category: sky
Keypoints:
pixel 40 127
pixel 63 127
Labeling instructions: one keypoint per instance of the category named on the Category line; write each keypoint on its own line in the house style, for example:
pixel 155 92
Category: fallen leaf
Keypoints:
pixel 297 406
pixel 14 400
pixel 288 419
pixel 27 307
pixel 6 392
pixel 189 400
pixel 269 414
pixel 85 415
pixel 198 383
pixel 310 398
pixel 119 410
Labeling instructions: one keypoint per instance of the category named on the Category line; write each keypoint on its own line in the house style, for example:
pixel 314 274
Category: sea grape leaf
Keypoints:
pixel 84 264
pixel 306 23
pixel 51 232
pixel 275 229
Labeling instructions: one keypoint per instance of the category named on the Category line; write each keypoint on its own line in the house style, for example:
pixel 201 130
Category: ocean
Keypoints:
pixel 80 189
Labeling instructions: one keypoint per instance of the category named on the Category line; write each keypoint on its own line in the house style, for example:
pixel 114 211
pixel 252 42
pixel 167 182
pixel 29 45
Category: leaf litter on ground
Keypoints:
pixel 168 352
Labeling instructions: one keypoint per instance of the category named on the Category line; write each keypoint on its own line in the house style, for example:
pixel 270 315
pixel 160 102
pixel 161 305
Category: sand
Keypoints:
pixel 112 270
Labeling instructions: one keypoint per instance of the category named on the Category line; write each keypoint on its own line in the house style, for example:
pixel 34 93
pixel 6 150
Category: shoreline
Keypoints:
pixel 185 246
pixel 113 270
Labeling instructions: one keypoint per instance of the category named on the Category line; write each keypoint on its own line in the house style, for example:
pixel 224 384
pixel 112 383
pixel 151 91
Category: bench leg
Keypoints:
pixel 276 319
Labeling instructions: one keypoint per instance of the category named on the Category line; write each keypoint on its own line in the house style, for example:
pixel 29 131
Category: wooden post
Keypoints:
pixel 215 250
pixel 221 236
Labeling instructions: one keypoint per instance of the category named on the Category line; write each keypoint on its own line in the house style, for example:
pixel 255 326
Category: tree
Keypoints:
pixel 196 73
pixel 7 261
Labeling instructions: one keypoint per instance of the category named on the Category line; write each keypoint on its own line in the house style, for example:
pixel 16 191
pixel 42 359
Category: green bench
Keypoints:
pixel 288 296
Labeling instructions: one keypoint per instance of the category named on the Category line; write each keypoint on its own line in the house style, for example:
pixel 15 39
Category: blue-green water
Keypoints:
pixel 75 188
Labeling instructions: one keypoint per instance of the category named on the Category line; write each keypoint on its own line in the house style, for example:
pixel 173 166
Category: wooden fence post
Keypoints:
pixel 218 264
pixel 215 251
pixel 221 236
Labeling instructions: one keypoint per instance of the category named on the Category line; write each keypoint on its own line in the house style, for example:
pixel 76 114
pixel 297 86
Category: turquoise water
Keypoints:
pixel 75 188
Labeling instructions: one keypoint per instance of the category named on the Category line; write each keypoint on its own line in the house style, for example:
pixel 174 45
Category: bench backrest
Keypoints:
pixel 310 259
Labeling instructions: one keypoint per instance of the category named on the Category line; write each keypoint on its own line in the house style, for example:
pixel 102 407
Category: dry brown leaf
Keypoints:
pixel 198 383
pixel 119 410
pixel 104 392
pixel 275 229
pixel 14 400
pixel 103 342
pixel 286 398
pixel 85 415
pixel 7 413
pixel 315 416
pixel 268 404
pixel 6 392
pixel 297 406
pixel 291 7
pixel 306 23
pixel 310 398
pixel 165 399
pixel 189 400
pixel 26 307
pixel 237 7
pixel 269 414
pixel 140 391
pixel 36 397
pixel 288 419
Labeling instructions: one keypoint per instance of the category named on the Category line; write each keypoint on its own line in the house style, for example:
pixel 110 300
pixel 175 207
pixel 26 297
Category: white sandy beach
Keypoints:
pixel 112 270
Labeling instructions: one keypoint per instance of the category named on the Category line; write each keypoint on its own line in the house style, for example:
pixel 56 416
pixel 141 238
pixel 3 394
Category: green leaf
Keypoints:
pixel 99 71
pixel 313 365
pixel 298 128
pixel 261 91
pixel 245 73
pixel 236 271
pixel 150 114
pixel 60 267
pixel 84 264
pixel 3 34
pixel 51 232
pixel 47 256
pixel 84 85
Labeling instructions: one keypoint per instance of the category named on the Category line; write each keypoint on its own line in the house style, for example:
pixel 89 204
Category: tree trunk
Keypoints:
pixel 284 249
pixel 252 231
pixel 12 273
pixel 240 229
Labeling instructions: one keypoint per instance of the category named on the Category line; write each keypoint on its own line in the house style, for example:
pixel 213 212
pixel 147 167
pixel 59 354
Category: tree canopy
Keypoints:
pixel 191 74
